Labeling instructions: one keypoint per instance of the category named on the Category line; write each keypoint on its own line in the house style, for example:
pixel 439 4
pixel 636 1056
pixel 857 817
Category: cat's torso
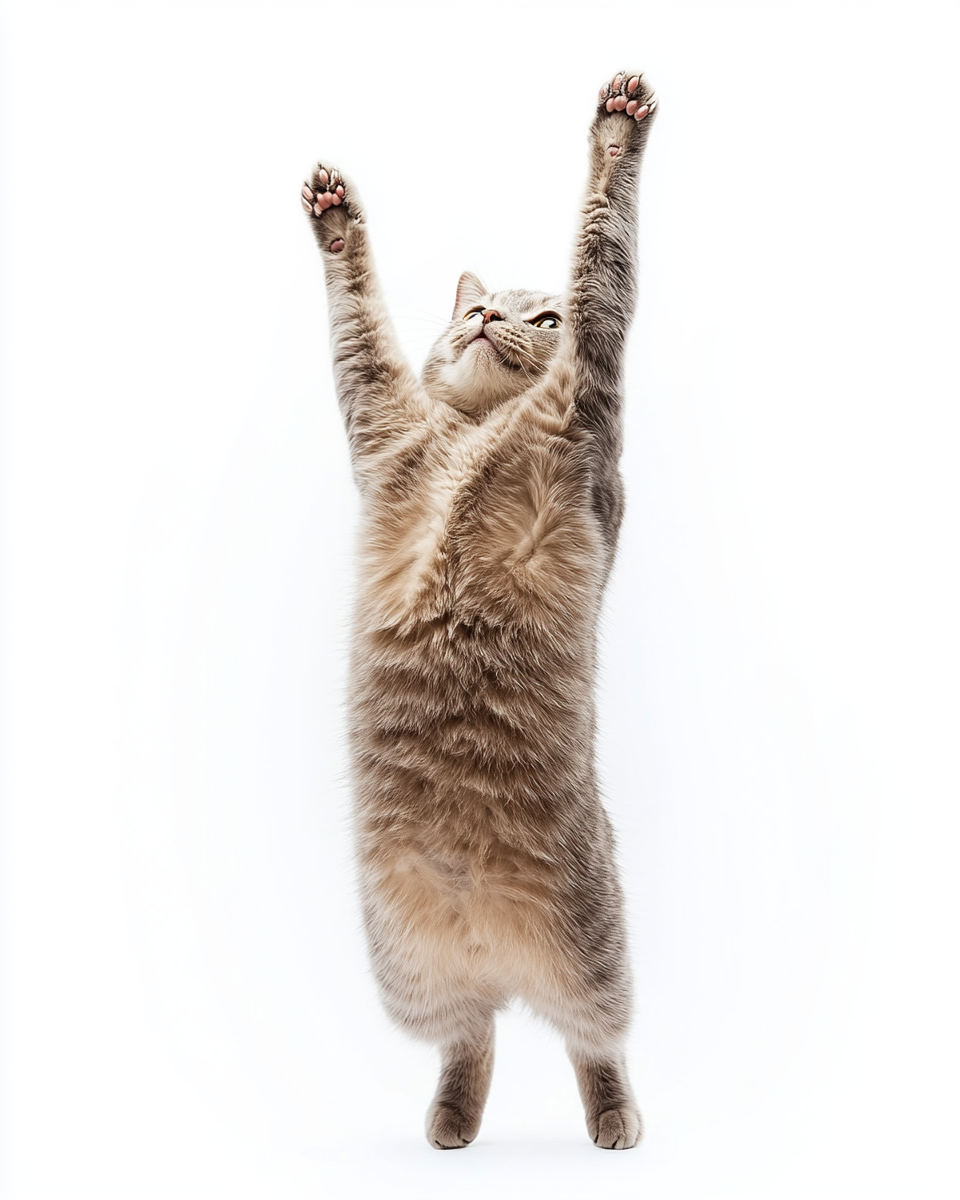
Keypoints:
pixel 482 566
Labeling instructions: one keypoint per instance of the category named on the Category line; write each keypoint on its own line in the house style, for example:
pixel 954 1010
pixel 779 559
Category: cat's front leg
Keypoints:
pixel 378 392
pixel 603 285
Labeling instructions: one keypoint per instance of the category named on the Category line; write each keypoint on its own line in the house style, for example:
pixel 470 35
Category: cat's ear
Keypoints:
pixel 470 291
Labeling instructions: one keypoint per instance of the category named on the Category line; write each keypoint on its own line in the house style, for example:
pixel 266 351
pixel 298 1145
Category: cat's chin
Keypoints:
pixel 475 403
pixel 477 383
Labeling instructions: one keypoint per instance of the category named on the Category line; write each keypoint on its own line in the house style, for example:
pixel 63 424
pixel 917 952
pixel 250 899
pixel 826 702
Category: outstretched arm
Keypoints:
pixel 603 287
pixel 379 395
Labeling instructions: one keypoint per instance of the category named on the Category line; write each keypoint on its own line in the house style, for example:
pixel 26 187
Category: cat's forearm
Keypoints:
pixel 603 286
pixel 375 384
pixel 377 390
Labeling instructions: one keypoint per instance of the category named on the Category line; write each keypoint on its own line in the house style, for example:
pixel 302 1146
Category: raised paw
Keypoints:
pixel 325 191
pixel 328 193
pixel 629 94
pixel 616 1128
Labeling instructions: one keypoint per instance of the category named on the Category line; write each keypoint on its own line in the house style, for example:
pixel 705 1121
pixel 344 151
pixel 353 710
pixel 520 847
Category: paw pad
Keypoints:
pixel 627 94
pixel 326 190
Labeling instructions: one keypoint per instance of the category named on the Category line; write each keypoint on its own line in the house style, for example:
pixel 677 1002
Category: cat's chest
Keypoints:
pixel 481 527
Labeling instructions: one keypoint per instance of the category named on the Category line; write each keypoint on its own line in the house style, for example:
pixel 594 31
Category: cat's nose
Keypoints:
pixel 491 314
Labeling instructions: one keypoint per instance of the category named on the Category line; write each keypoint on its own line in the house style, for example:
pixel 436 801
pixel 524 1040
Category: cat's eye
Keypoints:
pixel 547 320
pixel 474 312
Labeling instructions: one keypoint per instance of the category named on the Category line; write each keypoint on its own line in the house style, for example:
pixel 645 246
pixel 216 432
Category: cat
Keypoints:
pixel 491 508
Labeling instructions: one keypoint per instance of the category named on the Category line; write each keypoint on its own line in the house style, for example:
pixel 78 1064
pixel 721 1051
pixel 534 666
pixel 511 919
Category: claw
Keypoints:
pixel 633 84
pixel 307 204
pixel 323 176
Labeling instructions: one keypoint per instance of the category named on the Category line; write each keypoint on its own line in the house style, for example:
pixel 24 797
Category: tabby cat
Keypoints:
pixel 491 508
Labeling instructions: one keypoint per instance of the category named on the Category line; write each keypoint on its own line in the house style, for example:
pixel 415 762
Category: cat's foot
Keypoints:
pixel 449 1129
pixel 326 199
pixel 630 94
pixel 616 1128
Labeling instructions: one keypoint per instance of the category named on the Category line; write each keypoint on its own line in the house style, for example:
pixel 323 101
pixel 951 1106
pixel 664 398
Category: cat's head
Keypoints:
pixel 497 345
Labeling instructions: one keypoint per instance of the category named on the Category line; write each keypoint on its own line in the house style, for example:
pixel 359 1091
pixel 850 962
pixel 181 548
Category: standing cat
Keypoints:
pixel 491 507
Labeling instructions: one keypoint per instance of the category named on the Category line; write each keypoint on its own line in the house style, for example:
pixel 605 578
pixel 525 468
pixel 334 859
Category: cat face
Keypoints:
pixel 497 345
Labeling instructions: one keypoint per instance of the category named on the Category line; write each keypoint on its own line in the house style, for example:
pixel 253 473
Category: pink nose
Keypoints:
pixel 491 314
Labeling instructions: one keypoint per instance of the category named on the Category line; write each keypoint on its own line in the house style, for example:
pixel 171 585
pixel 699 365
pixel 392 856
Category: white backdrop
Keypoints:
pixel 187 1010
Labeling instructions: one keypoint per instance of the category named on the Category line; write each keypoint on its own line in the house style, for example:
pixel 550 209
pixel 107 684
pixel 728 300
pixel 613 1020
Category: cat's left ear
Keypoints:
pixel 470 291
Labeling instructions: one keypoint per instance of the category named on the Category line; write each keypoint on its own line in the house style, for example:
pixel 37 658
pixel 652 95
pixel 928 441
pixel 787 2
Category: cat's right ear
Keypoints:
pixel 470 291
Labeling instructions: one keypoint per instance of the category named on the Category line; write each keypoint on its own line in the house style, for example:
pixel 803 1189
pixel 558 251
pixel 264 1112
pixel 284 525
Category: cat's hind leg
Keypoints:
pixel 588 1001
pixel 432 988
pixel 613 1119
pixel 461 1023
pixel 453 1119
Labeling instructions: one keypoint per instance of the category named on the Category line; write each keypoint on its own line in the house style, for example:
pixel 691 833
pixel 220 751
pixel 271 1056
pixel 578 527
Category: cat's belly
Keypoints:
pixel 462 922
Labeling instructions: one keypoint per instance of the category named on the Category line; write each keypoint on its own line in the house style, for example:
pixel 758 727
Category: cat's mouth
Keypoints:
pixel 481 339
pixel 484 343
pixel 503 354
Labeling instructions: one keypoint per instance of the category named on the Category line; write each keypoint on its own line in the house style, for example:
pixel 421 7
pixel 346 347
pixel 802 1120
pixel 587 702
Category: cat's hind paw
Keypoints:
pixel 628 93
pixel 616 1128
pixel 449 1129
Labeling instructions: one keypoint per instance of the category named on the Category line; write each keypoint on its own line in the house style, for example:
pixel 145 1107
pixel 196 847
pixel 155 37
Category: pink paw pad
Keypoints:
pixel 628 94
pixel 336 245
pixel 327 192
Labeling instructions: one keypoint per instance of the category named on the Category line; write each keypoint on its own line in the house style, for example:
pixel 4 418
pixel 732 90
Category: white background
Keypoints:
pixel 187 1010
